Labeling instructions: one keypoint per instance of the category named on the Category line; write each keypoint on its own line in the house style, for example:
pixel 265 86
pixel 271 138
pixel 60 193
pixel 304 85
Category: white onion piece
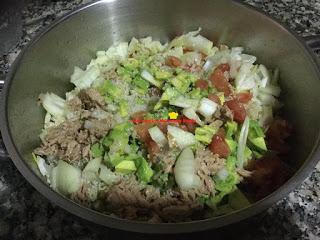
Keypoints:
pixel 157 135
pixel 66 178
pixel 266 116
pixel 148 76
pixel 265 76
pixel 242 143
pixel 107 176
pixel 191 114
pixel 184 102
pixel 207 107
pixel 185 170
pixel 248 58
pixel 222 174
pixel 272 90
pixel 93 165
pixel 180 137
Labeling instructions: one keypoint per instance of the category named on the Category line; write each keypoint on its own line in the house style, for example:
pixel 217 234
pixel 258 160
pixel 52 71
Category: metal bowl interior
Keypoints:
pixel 47 63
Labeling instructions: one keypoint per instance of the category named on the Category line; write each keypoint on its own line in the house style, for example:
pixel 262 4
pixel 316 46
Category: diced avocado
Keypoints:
pixel 168 94
pixel 126 167
pixel 259 142
pixel 195 93
pixel 221 97
pixel 131 64
pixel 162 75
pixel 247 153
pixel 231 127
pixel 144 171
pixel 255 130
pixel 232 145
pixel 123 108
pixel 124 73
pixel 204 134
pixel 181 84
pixel 108 88
pixel 257 155
pixel 141 84
pixel 113 159
pixel 97 150
pixel 237 200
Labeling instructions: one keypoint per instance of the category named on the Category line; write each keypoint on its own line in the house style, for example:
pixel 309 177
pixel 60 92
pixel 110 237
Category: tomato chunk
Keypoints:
pixel 214 98
pixel 244 97
pixel 219 146
pixel 238 110
pixel 138 115
pixel 202 84
pixel 173 61
pixel 225 67
pixel 220 81
pixel 142 132
pixel 152 148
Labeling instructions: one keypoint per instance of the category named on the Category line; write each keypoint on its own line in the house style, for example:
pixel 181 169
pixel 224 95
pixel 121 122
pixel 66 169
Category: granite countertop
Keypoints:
pixel 26 214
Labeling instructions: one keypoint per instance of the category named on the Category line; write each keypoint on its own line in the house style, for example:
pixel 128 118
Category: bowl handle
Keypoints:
pixel 3 151
pixel 314 43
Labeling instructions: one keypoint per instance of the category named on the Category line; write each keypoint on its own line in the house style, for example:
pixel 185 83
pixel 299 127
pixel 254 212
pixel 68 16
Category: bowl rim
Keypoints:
pixel 136 226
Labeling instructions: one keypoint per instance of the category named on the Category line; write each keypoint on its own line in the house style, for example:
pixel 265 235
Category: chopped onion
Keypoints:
pixel 148 76
pixel 191 114
pixel 44 168
pixel 208 65
pixel 266 116
pixel 93 165
pixel 272 90
pixel 207 107
pixel 222 174
pixel 184 102
pixel 242 143
pixel 185 171
pixel 157 135
pixel 264 74
pixel 66 178
pixel 266 99
pixel 107 176
pixel 248 58
pixel 179 137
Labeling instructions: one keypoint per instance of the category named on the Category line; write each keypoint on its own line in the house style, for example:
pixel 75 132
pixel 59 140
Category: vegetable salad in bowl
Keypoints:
pixel 166 132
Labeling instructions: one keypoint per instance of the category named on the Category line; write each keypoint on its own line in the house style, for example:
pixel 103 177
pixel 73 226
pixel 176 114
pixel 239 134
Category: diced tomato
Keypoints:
pixel 138 115
pixel 214 98
pixel 142 131
pixel 202 84
pixel 152 148
pixel 244 97
pixel 219 146
pixel 238 110
pixel 173 61
pixel 225 67
pixel 220 82
pixel 189 125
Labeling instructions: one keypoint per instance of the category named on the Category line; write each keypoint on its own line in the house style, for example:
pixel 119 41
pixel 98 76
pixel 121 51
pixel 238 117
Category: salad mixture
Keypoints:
pixel 166 132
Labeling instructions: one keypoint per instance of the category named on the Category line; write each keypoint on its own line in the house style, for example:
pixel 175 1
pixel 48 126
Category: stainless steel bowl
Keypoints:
pixel 47 62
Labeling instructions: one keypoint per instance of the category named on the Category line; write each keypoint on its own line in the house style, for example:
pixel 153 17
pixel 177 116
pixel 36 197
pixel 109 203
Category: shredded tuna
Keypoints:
pixel 131 200
pixel 91 98
pixel 208 164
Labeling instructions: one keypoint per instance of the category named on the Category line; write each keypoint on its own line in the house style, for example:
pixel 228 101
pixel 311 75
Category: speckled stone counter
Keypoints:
pixel 26 214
